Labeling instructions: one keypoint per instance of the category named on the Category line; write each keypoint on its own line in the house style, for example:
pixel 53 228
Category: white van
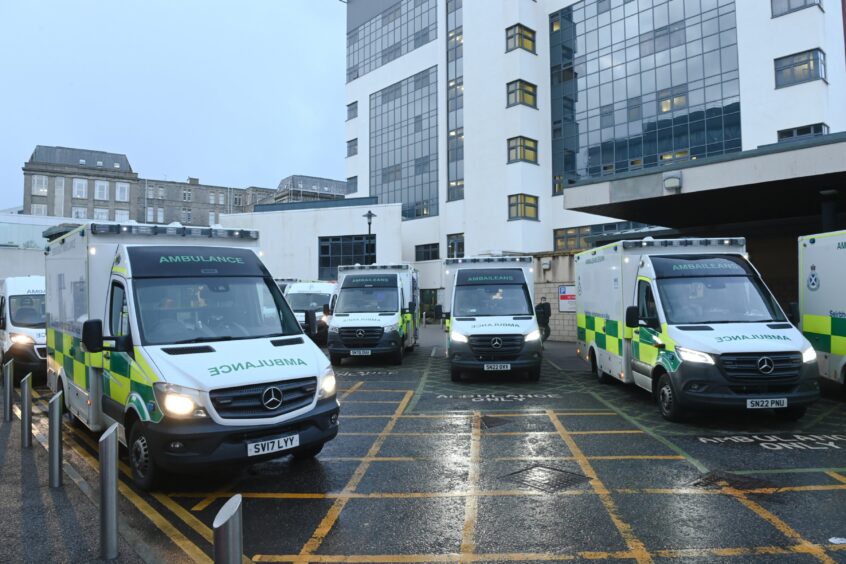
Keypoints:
pixel 312 296
pixel 377 312
pixel 822 300
pixel 181 336
pixel 691 321
pixel 491 323
pixel 22 332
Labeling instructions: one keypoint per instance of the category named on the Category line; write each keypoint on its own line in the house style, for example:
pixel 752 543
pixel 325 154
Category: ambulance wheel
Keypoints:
pixel 455 374
pixel 335 359
pixel 306 453
pixel 668 404
pixel 145 473
pixel 601 376
pixel 410 348
pixel 396 358
pixel 791 413
pixel 534 374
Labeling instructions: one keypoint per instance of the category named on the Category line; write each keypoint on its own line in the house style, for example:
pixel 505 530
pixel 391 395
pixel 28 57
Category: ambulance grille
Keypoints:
pixel 744 367
pixel 355 337
pixel 484 346
pixel 245 402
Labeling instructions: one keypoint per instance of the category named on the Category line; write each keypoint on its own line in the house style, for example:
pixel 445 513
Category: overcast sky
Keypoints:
pixel 237 92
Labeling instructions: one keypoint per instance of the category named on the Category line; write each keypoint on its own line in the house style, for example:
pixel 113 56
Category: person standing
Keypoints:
pixel 543 311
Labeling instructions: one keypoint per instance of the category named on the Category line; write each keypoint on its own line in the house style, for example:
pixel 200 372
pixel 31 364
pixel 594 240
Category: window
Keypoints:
pixel 118 312
pixel 162 193
pixel 522 149
pixel 160 216
pixel 391 15
pixel 427 252
pixel 212 198
pixel 802 132
pixel 391 53
pixel 221 198
pixel 59 197
pixel 392 173
pixel 151 215
pixel 352 111
pixel 455 245
pixel 352 147
pixel 101 214
pixel 352 184
pixel 80 188
pixel 237 200
pixel 522 206
pixel 572 238
pixel 38 209
pixel 211 218
pixel 187 195
pixel 421 165
pixel 79 213
pixel 101 190
pixel 186 215
pixel 121 215
pixel 121 191
pixel 519 37
pixel 522 92
pixel 801 67
pixel 781 7
pixel 39 185
pixel 345 249
pixel 672 99
pixel 647 309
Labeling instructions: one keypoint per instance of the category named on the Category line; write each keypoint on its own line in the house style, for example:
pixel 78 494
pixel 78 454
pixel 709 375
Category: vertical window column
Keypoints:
pixel 455 101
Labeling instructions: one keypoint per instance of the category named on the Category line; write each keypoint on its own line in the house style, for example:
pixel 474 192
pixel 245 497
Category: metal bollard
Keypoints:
pixel 109 493
pixel 55 439
pixel 8 370
pixel 26 411
pixel 228 532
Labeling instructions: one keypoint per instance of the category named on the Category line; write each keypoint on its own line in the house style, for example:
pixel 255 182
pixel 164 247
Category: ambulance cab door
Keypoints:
pixel 117 362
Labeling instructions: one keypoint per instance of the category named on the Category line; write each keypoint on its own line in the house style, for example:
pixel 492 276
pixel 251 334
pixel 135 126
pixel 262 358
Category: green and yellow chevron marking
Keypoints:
pixel 605 333
pixel 826 334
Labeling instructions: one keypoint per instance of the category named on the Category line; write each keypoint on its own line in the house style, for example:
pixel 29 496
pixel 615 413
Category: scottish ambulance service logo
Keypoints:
pixel 813 279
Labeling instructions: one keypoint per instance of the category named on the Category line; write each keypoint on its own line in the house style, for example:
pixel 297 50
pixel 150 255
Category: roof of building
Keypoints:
pixel 350 202
pixel 85 158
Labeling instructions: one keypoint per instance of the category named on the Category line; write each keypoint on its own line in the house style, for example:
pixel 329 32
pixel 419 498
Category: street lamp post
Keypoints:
pixel 369 215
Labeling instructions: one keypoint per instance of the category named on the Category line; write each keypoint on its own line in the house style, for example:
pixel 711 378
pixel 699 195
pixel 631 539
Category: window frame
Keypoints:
pixel 522 91
pixel 455 245
pixel 41 208
pixel 352 147
pixel 519 35
pixel 521 204
pixel 101 185
pixel 522 152
pixel 42 181
pixel 427 251
pixel 122 212
pixel 789 10
pixel 75 209
pixel 119 186
pixel 352 110
pixel 82 193
pixel 816 56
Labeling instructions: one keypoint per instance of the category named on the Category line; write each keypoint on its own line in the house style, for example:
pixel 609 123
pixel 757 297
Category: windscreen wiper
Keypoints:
pixel 207 339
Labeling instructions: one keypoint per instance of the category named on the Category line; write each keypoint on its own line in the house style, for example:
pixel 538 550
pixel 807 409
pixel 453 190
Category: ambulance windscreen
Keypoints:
pixel 182 261
pixel 681 266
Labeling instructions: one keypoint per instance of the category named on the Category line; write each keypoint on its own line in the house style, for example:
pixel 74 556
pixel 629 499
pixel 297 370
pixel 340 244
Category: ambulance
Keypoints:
pixel 181 336
pixel 691 321
pixel 312 296
pixel 377 312
pixel 822 300
pixel 22 332
pixel 491 321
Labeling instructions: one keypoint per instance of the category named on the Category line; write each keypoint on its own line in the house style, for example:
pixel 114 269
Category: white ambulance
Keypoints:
pixel 377 312
pixel 22 334
pixel 491 321
pixel 181 336
pixel 822 300
pixel 691 321
pixel 312 296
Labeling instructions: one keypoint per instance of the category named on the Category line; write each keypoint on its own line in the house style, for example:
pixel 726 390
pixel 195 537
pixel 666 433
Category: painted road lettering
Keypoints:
pixel 498 397
pixel 786 442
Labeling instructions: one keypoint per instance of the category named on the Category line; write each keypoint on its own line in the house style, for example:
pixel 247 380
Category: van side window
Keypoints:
pixel 646 307
pixel 3 312
pixel 118 312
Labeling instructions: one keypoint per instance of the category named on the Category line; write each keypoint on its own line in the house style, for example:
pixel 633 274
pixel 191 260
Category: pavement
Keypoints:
pixel 499 469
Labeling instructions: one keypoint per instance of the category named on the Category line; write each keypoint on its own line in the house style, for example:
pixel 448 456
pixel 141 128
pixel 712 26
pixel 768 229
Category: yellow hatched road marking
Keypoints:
pixel 334 512
pixel 636 546
pixel 471 502
pixel 354 388
pixel 837 477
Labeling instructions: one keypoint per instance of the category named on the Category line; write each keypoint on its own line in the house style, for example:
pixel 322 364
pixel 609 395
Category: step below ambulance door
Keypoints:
pixel 646 338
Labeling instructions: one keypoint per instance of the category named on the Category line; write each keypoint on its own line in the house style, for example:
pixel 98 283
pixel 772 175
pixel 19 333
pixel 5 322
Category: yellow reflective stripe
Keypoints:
pixel 669 342
pixel 79 374
pixel 146 374
pixel 838 346
pixel 119 270
pixel 67 343
pixel 581 320
pixel 816 324
pixel 599 325
pixel 51 338
pixel 590 337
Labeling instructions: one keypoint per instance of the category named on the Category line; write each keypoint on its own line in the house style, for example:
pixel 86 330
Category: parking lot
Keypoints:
pixel 499 469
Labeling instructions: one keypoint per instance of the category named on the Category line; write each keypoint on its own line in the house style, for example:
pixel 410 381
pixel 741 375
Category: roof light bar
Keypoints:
pixel 478 260
pixel 705 242
pixel 174 229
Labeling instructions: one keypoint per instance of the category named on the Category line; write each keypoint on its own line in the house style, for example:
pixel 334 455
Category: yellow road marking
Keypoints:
pixel 352 390
pixel 334 512
pixel 471 502
pixel 392 402
pixel 488 433
pixel 636 546
pixel 837 477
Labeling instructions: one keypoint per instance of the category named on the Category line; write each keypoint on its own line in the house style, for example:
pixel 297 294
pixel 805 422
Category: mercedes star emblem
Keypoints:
pixel 765 365
pixel 359 333
pixel 496 343
pixel 271 398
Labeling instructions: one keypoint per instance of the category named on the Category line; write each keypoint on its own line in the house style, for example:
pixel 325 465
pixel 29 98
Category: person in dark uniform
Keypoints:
pixel 543 311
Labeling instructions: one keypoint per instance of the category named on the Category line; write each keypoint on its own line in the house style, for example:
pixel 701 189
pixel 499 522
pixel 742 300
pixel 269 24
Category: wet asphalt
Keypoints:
pixel 496 469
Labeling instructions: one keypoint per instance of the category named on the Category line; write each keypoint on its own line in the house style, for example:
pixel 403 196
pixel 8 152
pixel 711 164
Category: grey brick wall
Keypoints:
pixel 561 325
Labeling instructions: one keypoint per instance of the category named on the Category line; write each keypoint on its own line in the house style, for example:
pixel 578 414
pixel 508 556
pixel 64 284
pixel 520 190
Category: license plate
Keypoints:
pixel 273 445
pixel 766 403
pixel 360 352
pixel 497 367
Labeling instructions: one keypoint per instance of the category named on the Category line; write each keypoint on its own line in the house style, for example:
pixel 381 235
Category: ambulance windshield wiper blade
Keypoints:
pixel 208 339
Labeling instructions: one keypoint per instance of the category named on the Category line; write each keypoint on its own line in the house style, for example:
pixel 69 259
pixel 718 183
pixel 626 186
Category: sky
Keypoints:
pixel 236 93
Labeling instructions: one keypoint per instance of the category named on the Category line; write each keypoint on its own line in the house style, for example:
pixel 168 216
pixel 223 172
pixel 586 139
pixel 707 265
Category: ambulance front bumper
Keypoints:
pixel 27 359
pixel 707 385
pixel 461 355
pixel 181 445
pixel 389 343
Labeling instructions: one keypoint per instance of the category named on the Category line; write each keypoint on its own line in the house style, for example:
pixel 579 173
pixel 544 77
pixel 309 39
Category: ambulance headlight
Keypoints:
pixel 690 355
pixel 533 336
pixel 327 384
pixel 178 401
pixel 457 337
pixel 809 355
pixel 389 328
pixel 21 339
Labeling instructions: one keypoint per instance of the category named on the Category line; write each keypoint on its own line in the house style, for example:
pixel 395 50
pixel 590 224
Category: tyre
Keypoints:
pixel 410 348
pixel 396 358
pixel 307 452
pixel 668 403
pixel 791 413
pixel 534 374
pixel 455 374
pixel 335 359
pixel 145 473
pixel 601 376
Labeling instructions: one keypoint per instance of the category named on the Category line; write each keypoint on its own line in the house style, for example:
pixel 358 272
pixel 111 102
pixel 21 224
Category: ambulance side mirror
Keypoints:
pixel 92 336
pixel 632 318
pixel 310 323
